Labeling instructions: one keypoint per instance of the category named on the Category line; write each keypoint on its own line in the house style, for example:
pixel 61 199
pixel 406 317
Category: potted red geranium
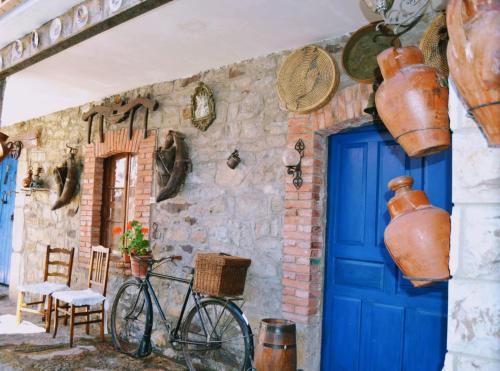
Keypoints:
pixel 133 243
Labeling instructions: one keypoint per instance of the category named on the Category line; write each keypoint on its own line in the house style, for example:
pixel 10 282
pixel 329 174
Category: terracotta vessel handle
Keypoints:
pixel 400 183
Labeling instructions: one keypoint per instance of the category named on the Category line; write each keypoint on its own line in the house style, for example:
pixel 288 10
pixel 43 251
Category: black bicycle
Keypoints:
pixel 215 334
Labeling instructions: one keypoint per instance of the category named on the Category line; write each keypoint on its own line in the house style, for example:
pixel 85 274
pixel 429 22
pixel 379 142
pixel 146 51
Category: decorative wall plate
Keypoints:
pixel 55 29
pixel 202 107
pixel 359 57
pixel 35 40
pixel 81 16
pixel 17 49
pixel 114 5
pixel 307 79
pixel 1 62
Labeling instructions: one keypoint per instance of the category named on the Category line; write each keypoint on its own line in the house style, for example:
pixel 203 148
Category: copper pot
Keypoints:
pixel 412 103
pixel 4 147
pixel 474 57
pixel 418 236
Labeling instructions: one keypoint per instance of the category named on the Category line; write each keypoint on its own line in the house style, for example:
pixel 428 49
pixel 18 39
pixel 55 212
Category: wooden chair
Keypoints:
pixel 79 302
pixel 62 273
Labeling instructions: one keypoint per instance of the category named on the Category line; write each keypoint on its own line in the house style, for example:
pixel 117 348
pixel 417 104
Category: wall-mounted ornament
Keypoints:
pixel 81 16
pixel 359 57
pixel 55 29
pixel 118 112
pixel 202 107
pixel 17 50
pixel 114 5
pixel 15 149
pixel 1 62
pixel 292 158
pixel 307 79
pixel 65 178
pixel 172 162
pixel 29 178
pixel 37 181
pixel 234 159
pixel 4 146
pixel 35 40
pixel 418 236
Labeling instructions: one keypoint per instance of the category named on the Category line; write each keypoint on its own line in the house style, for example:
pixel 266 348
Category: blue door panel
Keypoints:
pixel 8 172
pixel 373 318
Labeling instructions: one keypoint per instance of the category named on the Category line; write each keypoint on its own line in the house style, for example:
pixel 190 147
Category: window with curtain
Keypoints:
pixel 118 207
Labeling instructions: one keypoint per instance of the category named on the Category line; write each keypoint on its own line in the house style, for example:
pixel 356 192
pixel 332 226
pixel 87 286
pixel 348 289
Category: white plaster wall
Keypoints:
pixel 474 291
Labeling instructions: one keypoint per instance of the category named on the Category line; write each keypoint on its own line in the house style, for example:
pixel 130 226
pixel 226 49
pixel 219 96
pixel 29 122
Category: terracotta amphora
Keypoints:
pixel 4 148
pixel 412 103
pixel 474 60
pixel 418 236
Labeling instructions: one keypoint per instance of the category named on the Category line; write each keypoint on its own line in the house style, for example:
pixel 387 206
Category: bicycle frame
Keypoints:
pixel 148 289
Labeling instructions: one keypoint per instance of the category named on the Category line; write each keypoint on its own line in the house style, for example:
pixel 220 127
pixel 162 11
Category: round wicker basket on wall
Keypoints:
pixel 307 79
pixel 434 43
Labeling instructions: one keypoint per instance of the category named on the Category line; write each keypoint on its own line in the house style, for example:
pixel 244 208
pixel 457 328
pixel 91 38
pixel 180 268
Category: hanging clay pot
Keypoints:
pixel 474 60
pixel 418 236
pixel 4 148
pixel 412 103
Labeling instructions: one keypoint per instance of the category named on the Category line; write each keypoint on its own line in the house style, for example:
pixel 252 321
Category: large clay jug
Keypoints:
pixel 418 236
pixel 4 148
pixel 474 60
pixel 412 103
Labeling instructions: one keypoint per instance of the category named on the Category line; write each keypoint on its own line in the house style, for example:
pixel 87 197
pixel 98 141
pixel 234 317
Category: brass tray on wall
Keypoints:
pixel 307 79
pixel 359 58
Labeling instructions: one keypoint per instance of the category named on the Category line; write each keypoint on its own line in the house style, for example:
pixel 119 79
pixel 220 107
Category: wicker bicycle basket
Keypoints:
pixel 220 275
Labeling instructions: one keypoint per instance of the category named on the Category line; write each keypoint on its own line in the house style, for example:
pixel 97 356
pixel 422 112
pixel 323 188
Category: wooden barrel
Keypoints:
pixel 277 348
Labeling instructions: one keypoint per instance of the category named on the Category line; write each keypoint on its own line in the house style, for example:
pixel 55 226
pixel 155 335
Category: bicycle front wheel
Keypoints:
pixel 129 317
pixel 216 336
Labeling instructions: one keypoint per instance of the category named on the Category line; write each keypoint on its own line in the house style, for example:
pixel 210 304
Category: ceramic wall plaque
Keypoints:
pixel 81 16
pixel 202 107
pixel 114 5
pixel 55 29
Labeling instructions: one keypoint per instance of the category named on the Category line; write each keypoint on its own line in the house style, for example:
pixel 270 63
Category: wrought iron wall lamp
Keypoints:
pixel 292 159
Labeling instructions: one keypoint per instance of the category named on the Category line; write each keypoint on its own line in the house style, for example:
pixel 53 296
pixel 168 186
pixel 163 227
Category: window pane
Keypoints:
pixel 116 205
pixel 133 171
pixel 113 240
pixel 120 171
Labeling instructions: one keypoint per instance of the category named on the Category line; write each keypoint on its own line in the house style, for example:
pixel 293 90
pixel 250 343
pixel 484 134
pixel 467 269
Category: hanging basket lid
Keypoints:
pixel 433 44
pixel 307 79
pixel 359 58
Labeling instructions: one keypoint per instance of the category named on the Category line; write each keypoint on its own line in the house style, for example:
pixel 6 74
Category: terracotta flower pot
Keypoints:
pixel 418 236
pixel 474 57
pixel 412 103
pixel 126 257
pixel 4 149
pixel 139 265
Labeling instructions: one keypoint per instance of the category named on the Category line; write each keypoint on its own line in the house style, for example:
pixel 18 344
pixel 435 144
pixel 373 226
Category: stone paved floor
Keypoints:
pixel 42 352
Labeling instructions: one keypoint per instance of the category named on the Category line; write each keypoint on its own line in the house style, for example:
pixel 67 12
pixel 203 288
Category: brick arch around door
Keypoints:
pixel 115 142
pixel 305 208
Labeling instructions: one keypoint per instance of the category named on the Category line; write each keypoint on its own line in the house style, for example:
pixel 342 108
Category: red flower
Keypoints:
pixel 117 230
pixel 129 226
pixel 144 230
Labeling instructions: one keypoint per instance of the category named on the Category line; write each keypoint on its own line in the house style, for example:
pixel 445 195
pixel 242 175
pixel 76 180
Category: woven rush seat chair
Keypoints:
pixel 61 270
pixel 78 303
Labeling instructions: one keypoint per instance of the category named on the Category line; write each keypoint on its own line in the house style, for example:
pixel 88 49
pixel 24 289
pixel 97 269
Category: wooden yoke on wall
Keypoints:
pixel 119 112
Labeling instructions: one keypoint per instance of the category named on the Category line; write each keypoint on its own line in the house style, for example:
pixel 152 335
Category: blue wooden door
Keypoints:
pixel 8 172
pixel 373 319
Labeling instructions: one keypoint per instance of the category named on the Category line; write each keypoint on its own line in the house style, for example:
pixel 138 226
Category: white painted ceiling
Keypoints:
pixel 176 40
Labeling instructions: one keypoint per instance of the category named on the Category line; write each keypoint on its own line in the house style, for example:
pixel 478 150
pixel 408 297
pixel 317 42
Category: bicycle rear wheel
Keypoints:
pixel 216 336
pixel 129 318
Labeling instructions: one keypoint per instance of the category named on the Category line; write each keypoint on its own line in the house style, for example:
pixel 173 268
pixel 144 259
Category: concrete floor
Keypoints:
pixel 42 352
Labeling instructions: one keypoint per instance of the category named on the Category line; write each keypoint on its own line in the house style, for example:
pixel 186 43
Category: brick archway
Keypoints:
pixel 116 141
pixel 303 230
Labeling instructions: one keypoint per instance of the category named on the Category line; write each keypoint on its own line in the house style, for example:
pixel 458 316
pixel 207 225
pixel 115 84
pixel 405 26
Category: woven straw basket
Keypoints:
pixel 307 79
pixel 219 274
pixel 433 44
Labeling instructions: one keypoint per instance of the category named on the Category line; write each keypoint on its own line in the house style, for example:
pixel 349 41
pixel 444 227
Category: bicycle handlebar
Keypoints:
pixel 156 261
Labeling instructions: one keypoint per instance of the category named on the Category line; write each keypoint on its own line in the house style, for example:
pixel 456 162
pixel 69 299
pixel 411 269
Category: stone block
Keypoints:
pixel 476 242
pixel 476 169
pixel 474 318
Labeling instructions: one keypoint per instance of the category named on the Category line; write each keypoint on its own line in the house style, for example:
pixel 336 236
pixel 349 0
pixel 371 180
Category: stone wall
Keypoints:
pixel 474 291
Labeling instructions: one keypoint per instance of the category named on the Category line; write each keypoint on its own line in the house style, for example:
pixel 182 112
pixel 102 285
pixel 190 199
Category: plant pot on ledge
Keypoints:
pixel 125 257
pixel 139 265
